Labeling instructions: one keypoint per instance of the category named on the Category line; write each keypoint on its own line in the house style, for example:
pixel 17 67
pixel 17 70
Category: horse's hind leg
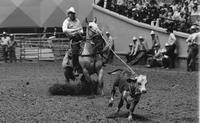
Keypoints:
pixel 100 80
pixel 68 73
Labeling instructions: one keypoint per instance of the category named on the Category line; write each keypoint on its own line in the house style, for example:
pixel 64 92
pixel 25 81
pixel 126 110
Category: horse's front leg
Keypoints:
pixel 100 81
pixel 87 75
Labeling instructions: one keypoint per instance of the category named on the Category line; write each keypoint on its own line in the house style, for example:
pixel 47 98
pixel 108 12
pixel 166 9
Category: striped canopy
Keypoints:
pixel 37 13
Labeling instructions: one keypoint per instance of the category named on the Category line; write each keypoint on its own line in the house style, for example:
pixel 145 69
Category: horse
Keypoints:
pixel 90 59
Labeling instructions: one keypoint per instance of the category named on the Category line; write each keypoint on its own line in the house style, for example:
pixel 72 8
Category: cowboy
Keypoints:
pixel 155 41
pixel 172 46
pixel 11 48
pixel 193 42
pixel 73 29
pixel 4 43
pixel 140 51
pixel 156 59
pixel 132 47
pixel 110 43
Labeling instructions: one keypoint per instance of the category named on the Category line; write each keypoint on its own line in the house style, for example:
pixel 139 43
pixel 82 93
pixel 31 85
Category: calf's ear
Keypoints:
pixel 130 80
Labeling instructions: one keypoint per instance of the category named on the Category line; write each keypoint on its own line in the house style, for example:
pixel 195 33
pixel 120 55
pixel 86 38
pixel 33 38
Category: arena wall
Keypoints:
pixel 123 29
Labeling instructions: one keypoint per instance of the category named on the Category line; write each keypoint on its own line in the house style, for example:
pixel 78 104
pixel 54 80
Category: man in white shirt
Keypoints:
pixel 73 29
pixel 193 42
pixel 172 46
pixel 5 39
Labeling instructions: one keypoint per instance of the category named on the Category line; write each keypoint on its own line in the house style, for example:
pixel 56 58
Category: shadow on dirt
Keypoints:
pixel 124 114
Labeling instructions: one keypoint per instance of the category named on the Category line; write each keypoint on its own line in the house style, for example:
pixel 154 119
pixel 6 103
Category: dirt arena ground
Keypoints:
pixel 172 96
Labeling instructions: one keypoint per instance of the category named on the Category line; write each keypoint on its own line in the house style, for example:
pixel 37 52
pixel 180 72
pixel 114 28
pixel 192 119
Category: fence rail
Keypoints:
pixel 31 46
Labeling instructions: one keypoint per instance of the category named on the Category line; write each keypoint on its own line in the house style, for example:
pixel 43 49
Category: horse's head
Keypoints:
pixel 93 29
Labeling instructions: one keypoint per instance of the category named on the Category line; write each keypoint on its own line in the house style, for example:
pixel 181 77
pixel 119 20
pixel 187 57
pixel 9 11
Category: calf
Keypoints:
pixel 131 88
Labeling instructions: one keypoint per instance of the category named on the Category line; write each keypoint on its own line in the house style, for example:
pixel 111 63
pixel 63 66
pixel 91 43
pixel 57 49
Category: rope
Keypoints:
pixel 133 72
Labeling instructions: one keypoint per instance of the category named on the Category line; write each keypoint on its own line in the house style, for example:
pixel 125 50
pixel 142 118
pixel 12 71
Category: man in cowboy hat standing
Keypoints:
pixel 110 43
pixel 193 42
pixel 72 28
pixel 5 39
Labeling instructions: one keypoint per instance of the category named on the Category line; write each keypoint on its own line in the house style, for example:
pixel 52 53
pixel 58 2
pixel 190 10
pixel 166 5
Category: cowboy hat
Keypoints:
pixel 134 38
pixel 72 10
pixel 152 32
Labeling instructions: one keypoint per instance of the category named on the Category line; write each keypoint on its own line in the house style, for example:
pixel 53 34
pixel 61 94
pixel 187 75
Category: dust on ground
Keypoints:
pixel 172 96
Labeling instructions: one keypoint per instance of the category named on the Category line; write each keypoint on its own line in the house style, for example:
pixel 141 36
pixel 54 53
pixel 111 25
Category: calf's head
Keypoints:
pixel 138 84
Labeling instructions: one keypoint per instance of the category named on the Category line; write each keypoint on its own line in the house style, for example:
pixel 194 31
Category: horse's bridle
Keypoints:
pixel 90 40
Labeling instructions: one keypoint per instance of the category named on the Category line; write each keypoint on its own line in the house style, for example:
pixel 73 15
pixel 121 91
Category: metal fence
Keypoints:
pixel 34 47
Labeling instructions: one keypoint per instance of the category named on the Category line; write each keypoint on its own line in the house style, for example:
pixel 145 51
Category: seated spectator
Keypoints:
pixel 156 59
pixel 101 3
pixel 155 40
pixel 132 47
pixel 177 14
pixel 167 61
pixel 140 51
pixel 120 7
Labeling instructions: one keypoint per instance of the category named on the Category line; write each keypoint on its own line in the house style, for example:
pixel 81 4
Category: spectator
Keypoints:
pixel 110 43
pixel 140 51
pixel 156 14
pixel 128 56
pixel 172 46
pixel 5 42
pixel 193 42
pixel 156 59
pixel 167 60
pixel 11 48
pixel 101 3
pixel 132 46
pixel 155 40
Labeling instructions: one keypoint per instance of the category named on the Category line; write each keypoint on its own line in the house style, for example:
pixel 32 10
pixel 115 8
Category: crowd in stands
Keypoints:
pixel 180 14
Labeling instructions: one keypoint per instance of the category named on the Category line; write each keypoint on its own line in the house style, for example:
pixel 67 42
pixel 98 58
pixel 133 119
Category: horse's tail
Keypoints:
pixel 115 71
pixel 63 89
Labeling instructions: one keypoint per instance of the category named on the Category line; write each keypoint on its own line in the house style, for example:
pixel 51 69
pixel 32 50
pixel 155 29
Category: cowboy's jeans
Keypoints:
pixel 75 52
pixel 5 52
pixel 192 54
pixel 12 55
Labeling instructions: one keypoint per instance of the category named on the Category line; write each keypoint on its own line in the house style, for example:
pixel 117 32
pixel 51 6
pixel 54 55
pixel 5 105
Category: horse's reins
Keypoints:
pixel 89 39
